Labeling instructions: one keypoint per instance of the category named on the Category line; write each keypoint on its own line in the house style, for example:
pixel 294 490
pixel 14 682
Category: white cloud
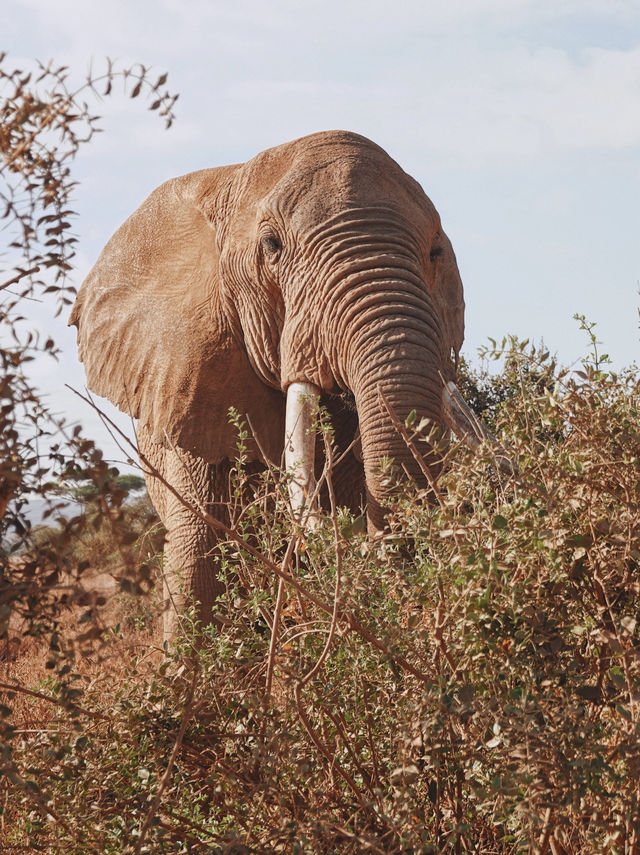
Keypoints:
pixel 516 104
pixel 469 80
pixel 592 102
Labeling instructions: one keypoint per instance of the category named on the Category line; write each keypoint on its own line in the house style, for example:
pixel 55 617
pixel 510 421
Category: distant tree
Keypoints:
pixel 86 489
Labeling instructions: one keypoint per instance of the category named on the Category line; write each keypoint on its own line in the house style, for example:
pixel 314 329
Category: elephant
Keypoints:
pixel 319 266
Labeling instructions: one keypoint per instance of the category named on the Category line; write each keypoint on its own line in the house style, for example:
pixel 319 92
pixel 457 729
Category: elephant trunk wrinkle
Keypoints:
pixel 381 441
pixel 376 323
pixel 367 274
pixel 353 234
pixel 370 320
pixel 375 252
pixel 356 299
pixel 397 350
pixel 411 396
pixel 360 266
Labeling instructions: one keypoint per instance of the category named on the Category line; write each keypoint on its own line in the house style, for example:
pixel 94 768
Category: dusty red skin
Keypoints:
pixel 317 261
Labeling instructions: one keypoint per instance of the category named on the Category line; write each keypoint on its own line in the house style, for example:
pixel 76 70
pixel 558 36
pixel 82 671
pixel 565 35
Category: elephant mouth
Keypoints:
pixel 300 422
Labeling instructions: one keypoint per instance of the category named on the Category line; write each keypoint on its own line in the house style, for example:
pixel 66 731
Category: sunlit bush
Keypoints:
pixel 468 682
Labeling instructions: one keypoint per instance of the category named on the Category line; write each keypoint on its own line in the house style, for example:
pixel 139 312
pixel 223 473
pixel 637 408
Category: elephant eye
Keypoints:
pixel 272 244
pixel 436 252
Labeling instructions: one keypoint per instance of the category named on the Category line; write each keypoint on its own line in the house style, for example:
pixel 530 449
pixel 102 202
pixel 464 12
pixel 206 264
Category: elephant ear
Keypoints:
pixel 154 336
pixel 449 297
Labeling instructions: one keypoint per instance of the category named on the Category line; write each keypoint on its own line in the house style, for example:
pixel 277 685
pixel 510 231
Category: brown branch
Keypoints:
pixel 411 446
pixel 370 739
pixel 338 547
pixel 233 536
pixel 543 842
pixel 28 140
pixel 276 619
pixel 36 798
pixel 56 701
pixel 18 277
pixel 437 634
pixel 341 727
pixel 332 761
pixel 187 715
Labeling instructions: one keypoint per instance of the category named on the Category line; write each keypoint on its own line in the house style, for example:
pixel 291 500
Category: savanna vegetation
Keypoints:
pixel 467 682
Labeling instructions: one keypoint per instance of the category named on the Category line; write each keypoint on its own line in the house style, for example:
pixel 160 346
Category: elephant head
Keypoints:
pixel 319 262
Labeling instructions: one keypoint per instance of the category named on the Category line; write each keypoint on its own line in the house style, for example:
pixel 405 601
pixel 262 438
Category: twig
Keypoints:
pixel 187 714
pixel 18 277
pixel 341 727
pixel 437 634
pixel 411 446
pixel 297 630
pixel 338 547
pixel 332 761
pixel 543 841
pixel 36 798
pixel 60 703
pixel 370 740
pixel 233 536
pixel 276 618
pixel 174 448
pixel 364 845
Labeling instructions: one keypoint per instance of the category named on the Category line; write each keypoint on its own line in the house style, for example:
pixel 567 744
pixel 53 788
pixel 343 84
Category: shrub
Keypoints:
pixel 47 615
pixel 468 682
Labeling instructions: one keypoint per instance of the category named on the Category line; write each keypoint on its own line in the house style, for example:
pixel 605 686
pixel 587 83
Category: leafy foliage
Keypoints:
pixel 468 682
pixel 44 121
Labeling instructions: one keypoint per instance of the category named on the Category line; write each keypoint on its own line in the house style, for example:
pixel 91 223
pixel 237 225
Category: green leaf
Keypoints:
pixel 584 540
pixel 624 712
pixel 358 526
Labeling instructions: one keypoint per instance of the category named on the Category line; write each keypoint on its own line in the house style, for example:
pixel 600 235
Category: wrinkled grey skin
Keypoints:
pixel 318 261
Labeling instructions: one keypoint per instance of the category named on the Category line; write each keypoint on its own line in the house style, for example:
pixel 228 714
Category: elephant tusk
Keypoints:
pixel 299 444
pixel 466 425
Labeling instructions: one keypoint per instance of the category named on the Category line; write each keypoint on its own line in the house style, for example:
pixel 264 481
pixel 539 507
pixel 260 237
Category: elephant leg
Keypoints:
pixel 349 484
pixel 348 475
pixel 191 565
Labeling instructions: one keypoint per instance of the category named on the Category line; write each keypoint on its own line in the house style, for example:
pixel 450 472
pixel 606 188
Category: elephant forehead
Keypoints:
pixel 313 192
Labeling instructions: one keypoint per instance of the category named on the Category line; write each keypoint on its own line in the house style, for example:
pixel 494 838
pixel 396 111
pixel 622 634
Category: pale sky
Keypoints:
pixel 520 118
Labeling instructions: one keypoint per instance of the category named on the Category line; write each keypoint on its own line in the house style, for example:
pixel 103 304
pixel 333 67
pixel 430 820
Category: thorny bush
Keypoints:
pixel 44 121
pixel 469 682
pixel 43 124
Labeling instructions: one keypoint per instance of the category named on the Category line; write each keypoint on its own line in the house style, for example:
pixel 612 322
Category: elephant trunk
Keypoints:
pixel 399 362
